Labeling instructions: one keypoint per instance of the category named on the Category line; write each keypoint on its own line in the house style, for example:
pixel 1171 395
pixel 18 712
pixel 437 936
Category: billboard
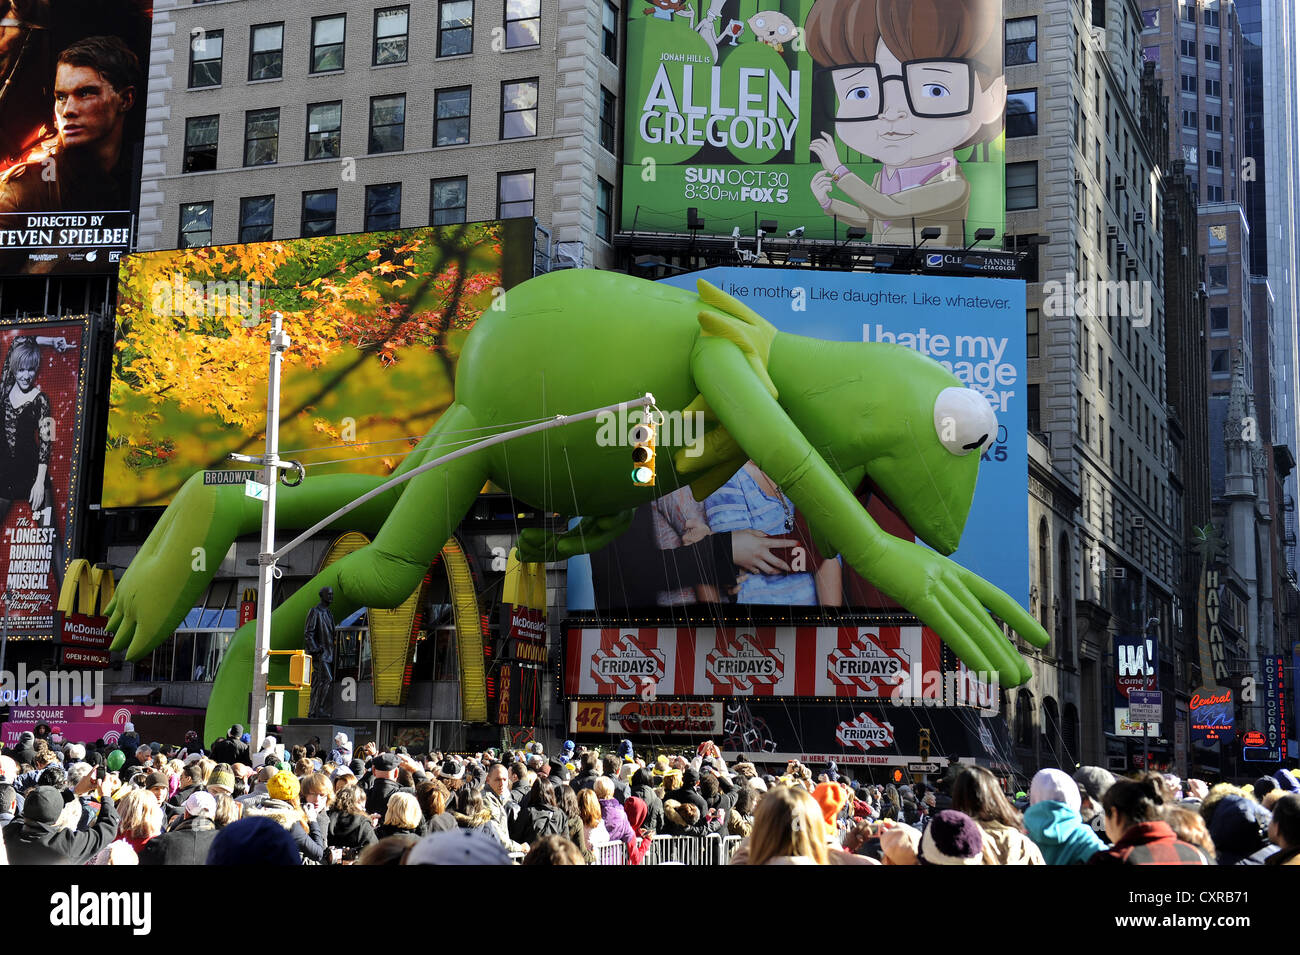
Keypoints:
pixel 45 364
pixel 375 321
pixel 645 718
pixel 72 91
pixel 85 724
pixel 886 115
pixel 882 662
pixel 1135 664
pixel 719 551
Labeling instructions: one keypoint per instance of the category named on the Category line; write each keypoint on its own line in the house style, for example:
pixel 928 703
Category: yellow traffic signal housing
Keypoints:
pixel 300 669
pixel 643 454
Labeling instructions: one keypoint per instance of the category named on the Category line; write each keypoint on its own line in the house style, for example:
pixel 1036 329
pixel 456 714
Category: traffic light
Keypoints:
pixel 643 454
pixel 925 745
pixel 300 669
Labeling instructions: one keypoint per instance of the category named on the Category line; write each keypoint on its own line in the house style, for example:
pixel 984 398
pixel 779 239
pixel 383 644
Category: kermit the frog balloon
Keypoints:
pixel 819 417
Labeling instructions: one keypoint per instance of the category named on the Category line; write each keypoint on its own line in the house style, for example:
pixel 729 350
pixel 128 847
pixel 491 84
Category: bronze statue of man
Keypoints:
pixel 318 640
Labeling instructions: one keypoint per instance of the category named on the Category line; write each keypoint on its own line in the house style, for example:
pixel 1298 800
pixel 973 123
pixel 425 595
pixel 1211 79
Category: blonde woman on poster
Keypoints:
pixel 28 437
pixel 915 80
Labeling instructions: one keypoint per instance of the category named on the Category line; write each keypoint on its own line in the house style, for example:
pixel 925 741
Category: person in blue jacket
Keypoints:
pixel 1053 820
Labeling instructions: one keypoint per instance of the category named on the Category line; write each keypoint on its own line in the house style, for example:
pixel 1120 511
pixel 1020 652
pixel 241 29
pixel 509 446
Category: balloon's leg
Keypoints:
pixel 382 574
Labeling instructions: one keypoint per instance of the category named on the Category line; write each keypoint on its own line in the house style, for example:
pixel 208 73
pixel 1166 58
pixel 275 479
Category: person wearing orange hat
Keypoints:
pixel 830 797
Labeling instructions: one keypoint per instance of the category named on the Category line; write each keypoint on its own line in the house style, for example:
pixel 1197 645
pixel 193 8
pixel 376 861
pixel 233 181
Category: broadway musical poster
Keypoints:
pixel 43 388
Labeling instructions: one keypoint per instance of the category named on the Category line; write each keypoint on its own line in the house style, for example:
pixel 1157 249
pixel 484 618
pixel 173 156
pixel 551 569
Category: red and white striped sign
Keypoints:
pixel 865 733
pixel 869 662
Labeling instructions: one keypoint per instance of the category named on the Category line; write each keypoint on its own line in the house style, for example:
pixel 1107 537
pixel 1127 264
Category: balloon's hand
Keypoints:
pixel 955 603
pixel 821 187
pixel 537 546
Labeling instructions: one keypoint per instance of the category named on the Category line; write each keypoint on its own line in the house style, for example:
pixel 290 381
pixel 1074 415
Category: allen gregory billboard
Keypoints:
pixel 72 90
pixel 882 114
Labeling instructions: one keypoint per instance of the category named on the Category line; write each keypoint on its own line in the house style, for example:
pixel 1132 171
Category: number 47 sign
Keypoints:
pixel 588 716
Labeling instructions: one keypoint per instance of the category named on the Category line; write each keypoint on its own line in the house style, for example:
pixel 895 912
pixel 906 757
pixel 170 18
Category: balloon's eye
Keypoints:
pixel 963 420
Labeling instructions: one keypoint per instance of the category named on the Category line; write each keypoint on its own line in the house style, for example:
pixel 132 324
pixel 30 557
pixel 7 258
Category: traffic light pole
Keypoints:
pixel 279 343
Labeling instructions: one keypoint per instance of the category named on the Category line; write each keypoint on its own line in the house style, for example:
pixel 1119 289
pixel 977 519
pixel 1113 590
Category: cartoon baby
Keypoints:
pixel 773 28
pixel 914 80
pixel 666 9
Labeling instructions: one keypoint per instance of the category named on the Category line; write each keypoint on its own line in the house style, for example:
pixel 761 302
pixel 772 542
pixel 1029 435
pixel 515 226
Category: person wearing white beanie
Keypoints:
pixel 1053 820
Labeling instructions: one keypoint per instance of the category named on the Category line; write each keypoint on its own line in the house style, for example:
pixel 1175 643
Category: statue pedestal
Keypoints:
pixel 300 731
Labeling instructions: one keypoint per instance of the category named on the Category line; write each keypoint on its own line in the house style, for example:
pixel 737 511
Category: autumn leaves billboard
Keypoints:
pixel 375 320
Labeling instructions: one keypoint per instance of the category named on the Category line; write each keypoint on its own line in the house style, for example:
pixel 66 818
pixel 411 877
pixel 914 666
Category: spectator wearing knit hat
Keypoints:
pixel 1053 820
pixel 37 841
pixel 1093 782
pixel 951 838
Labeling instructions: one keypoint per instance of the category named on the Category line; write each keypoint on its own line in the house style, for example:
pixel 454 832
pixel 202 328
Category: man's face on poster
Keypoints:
pixel 87 108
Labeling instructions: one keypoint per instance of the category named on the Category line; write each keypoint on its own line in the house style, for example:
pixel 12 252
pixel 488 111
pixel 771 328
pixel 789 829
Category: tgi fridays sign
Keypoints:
pixel 865 733
pixel 854 662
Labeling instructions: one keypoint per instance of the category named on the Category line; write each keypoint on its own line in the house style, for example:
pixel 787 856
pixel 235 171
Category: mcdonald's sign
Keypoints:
pixel 247 605
pixel 82 613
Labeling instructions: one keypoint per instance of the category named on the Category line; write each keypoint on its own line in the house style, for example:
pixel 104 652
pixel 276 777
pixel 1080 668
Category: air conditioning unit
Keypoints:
pixel 1078 180
pixel 1200 288
pixel 1121 248
pixel 1119 573
pixel 1139 218
pixel 1121 182
pixel 1139 523
pixel 568 255
pixel 1112 231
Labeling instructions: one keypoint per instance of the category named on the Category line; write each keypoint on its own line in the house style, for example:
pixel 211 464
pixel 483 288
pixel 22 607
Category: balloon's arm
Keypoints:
pixel 918 201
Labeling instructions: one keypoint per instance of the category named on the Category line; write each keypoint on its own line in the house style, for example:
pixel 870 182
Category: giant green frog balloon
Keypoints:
pixel 818 417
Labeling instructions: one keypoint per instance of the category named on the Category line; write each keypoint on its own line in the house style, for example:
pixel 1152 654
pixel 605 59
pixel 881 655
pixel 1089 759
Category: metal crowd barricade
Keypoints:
pixel 517 857
pixel 610 853
pixel 685 850
pixel 727 848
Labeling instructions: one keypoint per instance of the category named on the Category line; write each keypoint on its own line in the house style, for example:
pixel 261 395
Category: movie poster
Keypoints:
pixel 72 101
pixel 44 388
pixel 884 115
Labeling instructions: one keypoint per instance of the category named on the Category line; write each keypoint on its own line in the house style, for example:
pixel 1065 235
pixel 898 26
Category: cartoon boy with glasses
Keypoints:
pixel 914 81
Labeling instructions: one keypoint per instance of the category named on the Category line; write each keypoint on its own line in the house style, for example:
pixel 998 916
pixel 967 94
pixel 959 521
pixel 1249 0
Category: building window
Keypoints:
pixel 1021 41
pixel 261 136
pixel 327 43
pixel 1217 237
pixel 205 59
pixel 1213 123
pixel 604 209
pixel 1211 18
pixel 1219 364
pixel 387 123
pixel 200 143
pixel 1187 82
pixel 256 218
pixel 1218 277
pixel 1187 48
pixel 383 206
pixel 518 109
pixel 514 194
pixel 1219 320
pixel 266 52
pixel 391 33
pixel 523 23
pixel 1034 420
pixel 1150 19
pixel 319 212
pixel 1214 158
pixel 447 201
pixel 451 116
pixel 609 32
pixel 1189 13
pixel 608 107
pixel 456 27
pixel 1031 333
pixel 1212 53
pixel 1022 185
pixel 195 225
pixel 1189 119
pixel 1151 54
pixel 1213 193
pixel 1022 113
pixel 324 125
pixel 1213 88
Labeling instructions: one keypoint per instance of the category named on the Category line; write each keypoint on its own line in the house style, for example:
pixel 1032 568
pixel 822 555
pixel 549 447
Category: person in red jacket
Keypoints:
pixel 1134 823
pixel 639 844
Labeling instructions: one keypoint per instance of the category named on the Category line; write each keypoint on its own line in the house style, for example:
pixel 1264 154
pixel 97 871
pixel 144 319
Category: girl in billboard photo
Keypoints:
pixel 752 500
pixel 29 438
pixel 915 81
